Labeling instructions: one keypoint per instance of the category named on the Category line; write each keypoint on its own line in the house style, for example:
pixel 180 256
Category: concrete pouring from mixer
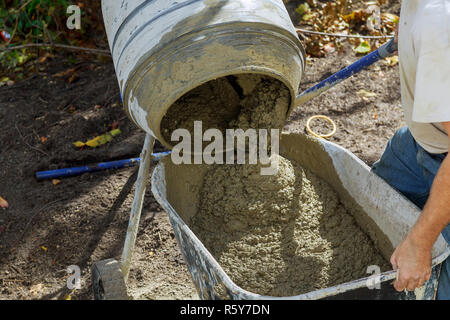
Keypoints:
pixel 164 49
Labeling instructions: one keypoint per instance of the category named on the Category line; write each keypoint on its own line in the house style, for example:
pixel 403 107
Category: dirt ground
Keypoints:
pixel 83 219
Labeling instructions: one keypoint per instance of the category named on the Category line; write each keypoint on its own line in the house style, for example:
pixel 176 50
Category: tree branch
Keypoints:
pixel 58 46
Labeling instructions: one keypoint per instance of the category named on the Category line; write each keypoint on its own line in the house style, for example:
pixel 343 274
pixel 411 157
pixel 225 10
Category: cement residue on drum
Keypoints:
pixel 280 235
pixel 242 101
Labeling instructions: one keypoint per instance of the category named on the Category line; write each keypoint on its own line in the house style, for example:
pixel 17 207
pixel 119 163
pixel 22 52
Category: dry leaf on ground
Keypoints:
pixel 366 94
pixel 3 203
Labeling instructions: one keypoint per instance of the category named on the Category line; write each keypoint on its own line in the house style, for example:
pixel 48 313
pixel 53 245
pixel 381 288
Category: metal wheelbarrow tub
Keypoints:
pixel 383 213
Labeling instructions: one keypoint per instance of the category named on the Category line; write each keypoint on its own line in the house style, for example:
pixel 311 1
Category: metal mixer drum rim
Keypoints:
pixel 175 46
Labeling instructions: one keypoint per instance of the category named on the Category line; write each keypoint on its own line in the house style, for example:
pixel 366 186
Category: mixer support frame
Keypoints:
pixel 109 276
pixel 136 209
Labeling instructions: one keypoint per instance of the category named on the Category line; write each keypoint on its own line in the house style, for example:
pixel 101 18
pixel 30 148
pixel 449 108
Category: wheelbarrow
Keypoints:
pixel 384 214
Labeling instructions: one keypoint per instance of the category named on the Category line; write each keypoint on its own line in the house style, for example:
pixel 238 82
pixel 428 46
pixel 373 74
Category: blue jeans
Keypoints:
pixel 410 169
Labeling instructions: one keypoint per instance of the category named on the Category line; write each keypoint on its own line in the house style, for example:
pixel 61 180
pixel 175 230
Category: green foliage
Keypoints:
pixel 303 9
pixel 12 59
pixel 28 22
pixel 44 21
pixel 363 48
pixel 36 20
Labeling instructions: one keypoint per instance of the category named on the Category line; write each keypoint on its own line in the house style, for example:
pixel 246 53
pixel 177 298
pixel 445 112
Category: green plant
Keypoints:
pixel 30 21
pixel 44 21
pixel 33 20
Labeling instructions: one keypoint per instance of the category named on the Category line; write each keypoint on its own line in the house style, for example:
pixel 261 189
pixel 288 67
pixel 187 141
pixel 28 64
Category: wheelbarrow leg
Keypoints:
pixel 136 209
pixel 109 277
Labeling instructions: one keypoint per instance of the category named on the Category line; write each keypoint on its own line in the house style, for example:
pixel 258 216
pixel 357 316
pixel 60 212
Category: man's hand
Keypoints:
pixel 413 262
pixel 412 258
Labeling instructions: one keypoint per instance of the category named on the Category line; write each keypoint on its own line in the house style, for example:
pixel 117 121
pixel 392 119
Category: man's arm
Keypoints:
pixel 412 257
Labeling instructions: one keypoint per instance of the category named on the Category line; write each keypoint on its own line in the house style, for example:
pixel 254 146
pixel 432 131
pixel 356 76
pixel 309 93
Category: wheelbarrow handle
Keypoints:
pixel 384 51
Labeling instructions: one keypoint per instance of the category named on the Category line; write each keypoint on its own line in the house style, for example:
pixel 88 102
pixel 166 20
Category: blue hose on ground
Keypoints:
pixel 70 172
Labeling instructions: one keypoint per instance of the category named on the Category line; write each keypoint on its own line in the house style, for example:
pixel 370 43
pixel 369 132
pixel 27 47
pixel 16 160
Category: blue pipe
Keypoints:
pixel 70 172
pixel 383 52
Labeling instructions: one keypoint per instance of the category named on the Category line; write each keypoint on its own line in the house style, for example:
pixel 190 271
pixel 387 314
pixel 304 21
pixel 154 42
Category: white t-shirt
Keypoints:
pixel 424 54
